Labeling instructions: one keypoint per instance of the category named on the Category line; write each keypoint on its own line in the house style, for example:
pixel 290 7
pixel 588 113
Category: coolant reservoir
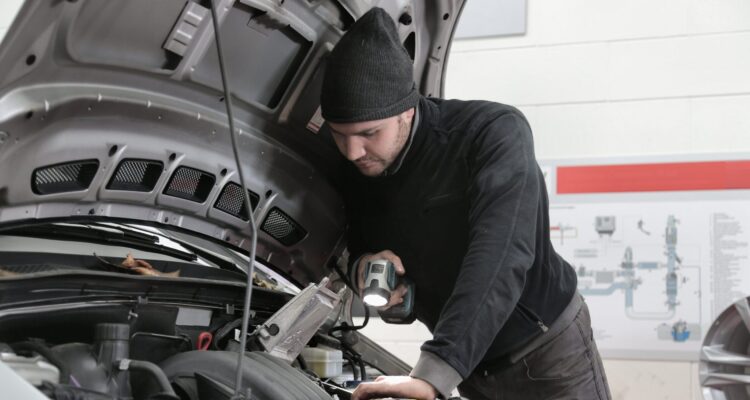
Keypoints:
pixel 34 370
pixel 324 361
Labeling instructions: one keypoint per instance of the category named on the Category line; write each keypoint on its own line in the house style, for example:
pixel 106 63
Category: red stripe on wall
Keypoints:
pixel 657 177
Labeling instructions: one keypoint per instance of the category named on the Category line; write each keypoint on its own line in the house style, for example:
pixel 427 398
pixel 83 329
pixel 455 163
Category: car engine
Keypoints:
pixel 161 367
pixel 159 349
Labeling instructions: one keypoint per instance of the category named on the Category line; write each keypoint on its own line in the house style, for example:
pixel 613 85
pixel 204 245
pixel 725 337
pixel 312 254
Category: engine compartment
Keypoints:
pixel 142 350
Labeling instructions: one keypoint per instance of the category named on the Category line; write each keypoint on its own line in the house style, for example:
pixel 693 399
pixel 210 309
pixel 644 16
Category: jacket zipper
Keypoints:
pixel 532 317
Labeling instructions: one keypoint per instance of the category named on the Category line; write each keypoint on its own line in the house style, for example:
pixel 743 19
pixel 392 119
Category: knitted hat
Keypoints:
pixel 369 75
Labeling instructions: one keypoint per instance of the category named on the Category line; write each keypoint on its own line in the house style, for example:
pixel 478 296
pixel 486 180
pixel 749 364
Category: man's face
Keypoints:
pixel 373 145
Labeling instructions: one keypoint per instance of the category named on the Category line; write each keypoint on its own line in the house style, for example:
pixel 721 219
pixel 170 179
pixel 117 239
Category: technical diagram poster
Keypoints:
pixel 656 267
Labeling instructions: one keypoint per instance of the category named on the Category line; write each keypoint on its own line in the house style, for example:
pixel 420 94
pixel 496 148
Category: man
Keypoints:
pixel 451 193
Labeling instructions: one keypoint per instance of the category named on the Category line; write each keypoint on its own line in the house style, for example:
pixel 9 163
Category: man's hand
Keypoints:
pixel 402 387
pixel 397 296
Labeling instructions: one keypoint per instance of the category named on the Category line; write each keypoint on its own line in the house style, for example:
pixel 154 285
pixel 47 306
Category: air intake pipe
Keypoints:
pixel 94 367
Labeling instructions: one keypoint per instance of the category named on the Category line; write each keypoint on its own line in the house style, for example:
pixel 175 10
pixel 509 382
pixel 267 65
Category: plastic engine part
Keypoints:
pixel 204 375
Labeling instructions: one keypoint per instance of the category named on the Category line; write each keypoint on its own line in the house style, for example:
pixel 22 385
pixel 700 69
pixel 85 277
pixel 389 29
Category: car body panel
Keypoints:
pixel 116 81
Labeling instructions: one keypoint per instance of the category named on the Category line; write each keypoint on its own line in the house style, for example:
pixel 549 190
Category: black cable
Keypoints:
pixel 347 282
pixel 348 351
pixel 355 373
pixel 345 327
pixel 362 368
pixel 354 357
pixel 302 362
pixel 224 331
pixel 328 341
pixel 248 205
pixel 338 344
pixel 369 364
pixel 342 275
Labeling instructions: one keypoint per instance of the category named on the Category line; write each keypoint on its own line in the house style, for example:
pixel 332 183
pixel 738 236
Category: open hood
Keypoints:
pixel 114 109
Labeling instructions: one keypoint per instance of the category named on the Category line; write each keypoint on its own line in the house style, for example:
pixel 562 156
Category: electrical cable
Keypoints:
pixel 302 362
pixel 355 359
pixel 248 204
pixel 362 368
pixel 344 326
pixel 350 360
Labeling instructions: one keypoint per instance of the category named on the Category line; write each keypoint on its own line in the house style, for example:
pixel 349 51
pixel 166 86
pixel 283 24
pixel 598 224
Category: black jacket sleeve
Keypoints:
pixel 504 194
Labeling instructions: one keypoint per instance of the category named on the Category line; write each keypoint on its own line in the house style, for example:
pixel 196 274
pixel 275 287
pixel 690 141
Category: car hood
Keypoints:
pixel 114 110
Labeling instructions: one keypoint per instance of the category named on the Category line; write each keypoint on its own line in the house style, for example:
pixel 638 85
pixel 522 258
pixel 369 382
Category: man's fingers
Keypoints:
pixel 397 297
pixel 392 257
pixel 395 386
pixel 396 260
pixel 375 390
pixel 365 391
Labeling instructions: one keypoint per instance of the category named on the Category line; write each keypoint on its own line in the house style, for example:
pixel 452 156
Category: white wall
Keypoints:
pixel 8 10
pixel 615 78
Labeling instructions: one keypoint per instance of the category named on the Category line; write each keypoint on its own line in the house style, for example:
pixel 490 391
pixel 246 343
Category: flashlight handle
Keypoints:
pixel 403 313
pixel 384 269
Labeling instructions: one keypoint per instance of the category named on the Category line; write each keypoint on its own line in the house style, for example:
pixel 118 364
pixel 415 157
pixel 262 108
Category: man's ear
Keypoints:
pixel 408 115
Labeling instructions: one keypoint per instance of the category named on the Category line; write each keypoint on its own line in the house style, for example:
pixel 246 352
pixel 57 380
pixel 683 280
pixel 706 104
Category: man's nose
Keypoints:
pixel 354 149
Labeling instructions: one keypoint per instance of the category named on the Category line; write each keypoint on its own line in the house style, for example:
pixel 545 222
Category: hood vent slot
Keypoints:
pixel 190 184
pixel 136 175
pixel 231 201
pixel 283 228
pixel 68 177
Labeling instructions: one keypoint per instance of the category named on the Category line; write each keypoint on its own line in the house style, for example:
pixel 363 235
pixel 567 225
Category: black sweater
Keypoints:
pixel 467 213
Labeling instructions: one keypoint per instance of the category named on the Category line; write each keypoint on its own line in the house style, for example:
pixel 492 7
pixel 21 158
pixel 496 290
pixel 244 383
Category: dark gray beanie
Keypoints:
pixel 369 75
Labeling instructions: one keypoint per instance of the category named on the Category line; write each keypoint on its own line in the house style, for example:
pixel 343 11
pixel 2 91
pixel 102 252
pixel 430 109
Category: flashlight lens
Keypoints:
pixel 375 300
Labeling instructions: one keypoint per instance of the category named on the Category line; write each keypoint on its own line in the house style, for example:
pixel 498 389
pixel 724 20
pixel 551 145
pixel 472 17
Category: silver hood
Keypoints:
pixel 114 109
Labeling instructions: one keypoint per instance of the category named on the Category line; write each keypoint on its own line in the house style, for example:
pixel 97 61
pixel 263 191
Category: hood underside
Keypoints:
pixel 114 109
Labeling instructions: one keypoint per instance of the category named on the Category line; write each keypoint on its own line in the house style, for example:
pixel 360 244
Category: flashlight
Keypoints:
pixel 380 281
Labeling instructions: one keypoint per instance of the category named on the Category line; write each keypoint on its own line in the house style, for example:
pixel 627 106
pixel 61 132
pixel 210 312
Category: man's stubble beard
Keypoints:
pixel 401 138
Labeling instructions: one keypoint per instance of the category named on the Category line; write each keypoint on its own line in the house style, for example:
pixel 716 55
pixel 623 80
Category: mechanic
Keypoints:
pixel 451 193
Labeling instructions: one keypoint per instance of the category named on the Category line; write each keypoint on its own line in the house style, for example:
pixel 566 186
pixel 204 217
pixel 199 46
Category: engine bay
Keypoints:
pixel 105 342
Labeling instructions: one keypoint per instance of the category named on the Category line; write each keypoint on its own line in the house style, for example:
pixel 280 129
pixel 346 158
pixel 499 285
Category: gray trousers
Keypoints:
pixel 566 367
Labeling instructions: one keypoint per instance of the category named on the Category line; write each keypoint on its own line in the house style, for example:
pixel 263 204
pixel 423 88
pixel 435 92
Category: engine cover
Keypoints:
pixel 203 375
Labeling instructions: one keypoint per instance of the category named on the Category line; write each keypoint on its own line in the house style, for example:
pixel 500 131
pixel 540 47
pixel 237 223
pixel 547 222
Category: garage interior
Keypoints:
pixel 617 92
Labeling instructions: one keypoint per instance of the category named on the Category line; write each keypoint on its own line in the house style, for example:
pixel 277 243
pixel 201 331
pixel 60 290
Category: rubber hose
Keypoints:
pixel 328 341
pixel 353 365
pixel 155 371
pixel 47 353
pixel 225 330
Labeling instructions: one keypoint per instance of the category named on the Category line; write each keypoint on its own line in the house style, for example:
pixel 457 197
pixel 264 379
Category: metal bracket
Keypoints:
pixel 287 332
